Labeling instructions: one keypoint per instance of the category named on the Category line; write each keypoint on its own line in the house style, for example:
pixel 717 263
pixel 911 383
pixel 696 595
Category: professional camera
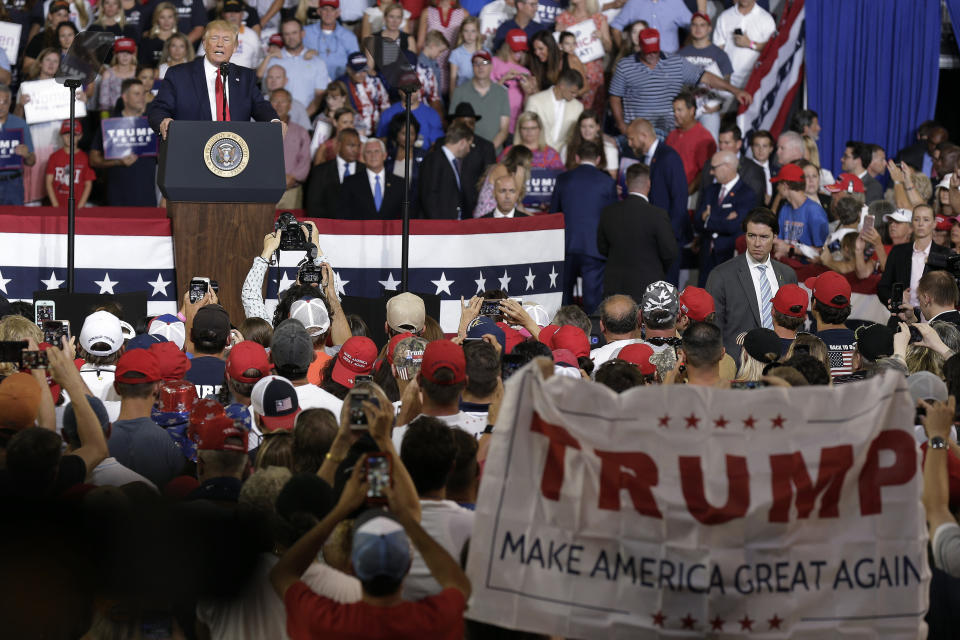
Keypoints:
pixel 292 234
pixel 949 263
pixel 307 271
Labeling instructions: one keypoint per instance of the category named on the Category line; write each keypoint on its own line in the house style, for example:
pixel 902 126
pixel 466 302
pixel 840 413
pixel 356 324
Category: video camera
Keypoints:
pixel 947 262
pixel 307 271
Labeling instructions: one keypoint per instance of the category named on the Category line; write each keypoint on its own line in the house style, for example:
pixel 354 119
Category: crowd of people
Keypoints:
pixel 696 253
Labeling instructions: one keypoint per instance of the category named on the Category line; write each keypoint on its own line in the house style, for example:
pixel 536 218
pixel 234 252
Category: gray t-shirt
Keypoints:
pixel 146 448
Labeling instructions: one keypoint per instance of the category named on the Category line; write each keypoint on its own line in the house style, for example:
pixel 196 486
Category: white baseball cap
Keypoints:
pixel 900 215
pixel 170 327
pixel 101 327
pixel 312 314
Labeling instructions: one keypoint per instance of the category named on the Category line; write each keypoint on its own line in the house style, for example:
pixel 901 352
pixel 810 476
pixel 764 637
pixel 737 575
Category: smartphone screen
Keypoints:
pixel 44 310
pixel 378 475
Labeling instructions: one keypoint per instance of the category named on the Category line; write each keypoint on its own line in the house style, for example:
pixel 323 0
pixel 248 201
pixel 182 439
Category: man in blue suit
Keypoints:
pixel 581 194
pixel 719 218
pixel 668 184
pixel 196 90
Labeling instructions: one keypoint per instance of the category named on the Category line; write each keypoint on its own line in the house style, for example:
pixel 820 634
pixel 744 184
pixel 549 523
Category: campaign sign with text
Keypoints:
pixel 683 511
pixel 123 136
pixel 540 186
pixel 49 100
pixel 548 10
pixel 10 40
pixel 9 139
pixel 589 46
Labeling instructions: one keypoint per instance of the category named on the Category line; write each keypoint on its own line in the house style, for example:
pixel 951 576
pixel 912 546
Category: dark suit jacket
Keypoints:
pixel 637 240
pixel 581 194
pixel 740 200
pixel 873 188
pixel 749 172
pixel 439 195
pixel 322 196
pixel 356 198
pixel 481 156
pixel 668 190
pixel 183 96
pixel 899 265
pixel 761 177
pixel 949 316
pixel 732 288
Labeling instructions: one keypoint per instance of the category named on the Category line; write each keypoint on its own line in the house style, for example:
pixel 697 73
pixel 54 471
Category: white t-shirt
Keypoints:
pixel 758 25
pixel 310 396
pixel 469 422
pixel 609 351
pixel 99 381
pixel 451 526
pixel 111 473
pixel 259 613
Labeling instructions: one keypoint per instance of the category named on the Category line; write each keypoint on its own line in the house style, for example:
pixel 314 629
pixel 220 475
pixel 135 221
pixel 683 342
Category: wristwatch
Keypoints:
pixel 936 442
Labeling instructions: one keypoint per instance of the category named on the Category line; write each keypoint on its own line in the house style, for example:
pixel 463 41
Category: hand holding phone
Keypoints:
pixel 378 468
pixel 896 298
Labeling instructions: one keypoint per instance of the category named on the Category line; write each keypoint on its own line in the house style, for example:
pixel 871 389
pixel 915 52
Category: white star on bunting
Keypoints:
pixel 53 282
pixel 389 284
pixel 341 285
pixel 553 276
pixel 159 285
pixel 3 282
pixel 529 278
pixel 106 285
pixel 481 283
pixel 285 282
pixel 505 281
pixel 443 284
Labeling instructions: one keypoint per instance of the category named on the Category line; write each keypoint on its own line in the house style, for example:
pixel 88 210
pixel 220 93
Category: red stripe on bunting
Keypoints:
pixel 438 227
pixel 107 221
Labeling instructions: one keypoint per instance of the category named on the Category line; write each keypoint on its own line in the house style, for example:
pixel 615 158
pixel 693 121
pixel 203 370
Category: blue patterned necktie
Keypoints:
pixel 377 193
pixel 765 296
pixel 346 170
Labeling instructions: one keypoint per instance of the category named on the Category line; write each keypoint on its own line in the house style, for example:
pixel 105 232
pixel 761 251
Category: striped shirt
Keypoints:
pixel 649 93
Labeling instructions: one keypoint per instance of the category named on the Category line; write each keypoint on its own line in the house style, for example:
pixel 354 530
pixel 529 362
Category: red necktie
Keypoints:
pixel 220 100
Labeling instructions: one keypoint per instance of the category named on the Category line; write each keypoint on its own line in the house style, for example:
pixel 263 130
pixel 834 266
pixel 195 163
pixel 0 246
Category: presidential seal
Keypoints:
pixel 226 154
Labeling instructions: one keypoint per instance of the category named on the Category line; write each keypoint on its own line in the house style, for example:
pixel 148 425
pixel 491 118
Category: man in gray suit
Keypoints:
pixel 743 287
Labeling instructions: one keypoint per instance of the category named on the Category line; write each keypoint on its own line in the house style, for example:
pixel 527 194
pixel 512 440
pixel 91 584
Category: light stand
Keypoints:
pixel 73 84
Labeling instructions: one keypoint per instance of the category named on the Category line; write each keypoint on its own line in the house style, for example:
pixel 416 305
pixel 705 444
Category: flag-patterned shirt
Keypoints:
pixel 840 344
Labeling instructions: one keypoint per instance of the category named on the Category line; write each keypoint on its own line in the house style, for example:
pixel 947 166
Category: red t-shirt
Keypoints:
pixel 695 147
pixel 58 166
pixel 313 616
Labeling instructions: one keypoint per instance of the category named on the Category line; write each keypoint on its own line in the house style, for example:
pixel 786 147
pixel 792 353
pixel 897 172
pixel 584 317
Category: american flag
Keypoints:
pixel 449 258
pixel 841 360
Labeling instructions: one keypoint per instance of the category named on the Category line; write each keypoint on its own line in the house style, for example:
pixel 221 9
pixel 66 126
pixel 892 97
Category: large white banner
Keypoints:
pixel 684 511
pixel 49 100
pixel 589 46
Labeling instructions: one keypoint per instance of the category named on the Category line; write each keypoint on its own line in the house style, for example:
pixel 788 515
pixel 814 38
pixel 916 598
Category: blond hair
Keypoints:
pixel 14 329
pixel 529 116
pixel 155 26
pixel 469 20
pixel 221 25
pixel 121 18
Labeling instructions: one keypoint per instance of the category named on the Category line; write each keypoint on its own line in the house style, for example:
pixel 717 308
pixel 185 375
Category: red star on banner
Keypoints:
pixel 778 421
pixel 692 421
pixel 717 624
pixel 721 422
pixel 665 421
pixel 749 422
pixel 658 618
pixel 688 621
pixel 746 624
pixel 774 622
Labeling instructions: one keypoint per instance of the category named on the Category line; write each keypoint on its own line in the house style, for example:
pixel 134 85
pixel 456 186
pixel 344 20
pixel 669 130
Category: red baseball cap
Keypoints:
pixel 639 354
pixel 701 15
pixel 650 41
pixel 140 361
pixel 572 338
pixel 276 40
pixel 944 223
pixel 517 39
pixel 830 288
pixel 443 354
pixel 547 333
pixel 481 54
pixel 244 356
pixel 124 44
pixel 847 182
pixel 329 3
pixel 77 127
pixel 214 430
pixel 172 361
pixel 791 300
pixel 511 337
pixel 356 357
pixel 790 173
pixel 565 358
pixel 696 303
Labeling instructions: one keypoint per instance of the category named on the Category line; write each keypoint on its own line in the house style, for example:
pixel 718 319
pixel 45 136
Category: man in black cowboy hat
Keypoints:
pixel 481 155
pixel 488 99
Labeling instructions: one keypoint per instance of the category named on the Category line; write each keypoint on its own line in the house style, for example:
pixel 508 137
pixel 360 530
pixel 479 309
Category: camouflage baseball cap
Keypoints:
pixel 407 357
pixel 660 295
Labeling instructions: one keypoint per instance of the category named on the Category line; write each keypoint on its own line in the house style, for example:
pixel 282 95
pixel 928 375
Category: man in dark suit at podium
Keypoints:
pixel 371 194
pixel 196 90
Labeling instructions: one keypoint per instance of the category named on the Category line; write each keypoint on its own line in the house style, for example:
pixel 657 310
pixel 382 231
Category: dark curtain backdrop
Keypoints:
pixel 872 69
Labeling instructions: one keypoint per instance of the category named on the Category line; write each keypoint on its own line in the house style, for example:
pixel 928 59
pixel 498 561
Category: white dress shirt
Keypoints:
pixel 917 263
pixel 755 275
pixel 210 72
pixel 639 195
pixel 498 214
pixel 648 158
pixel 342 165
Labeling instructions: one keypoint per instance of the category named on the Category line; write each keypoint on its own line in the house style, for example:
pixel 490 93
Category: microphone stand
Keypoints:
pixel 72 84
pixel 405 237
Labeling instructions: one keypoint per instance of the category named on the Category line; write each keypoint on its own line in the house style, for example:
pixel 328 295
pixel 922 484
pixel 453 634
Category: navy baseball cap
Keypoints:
pixel 482 325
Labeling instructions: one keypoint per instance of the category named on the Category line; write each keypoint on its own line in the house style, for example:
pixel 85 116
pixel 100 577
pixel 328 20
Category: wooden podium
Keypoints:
pixel 222 181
